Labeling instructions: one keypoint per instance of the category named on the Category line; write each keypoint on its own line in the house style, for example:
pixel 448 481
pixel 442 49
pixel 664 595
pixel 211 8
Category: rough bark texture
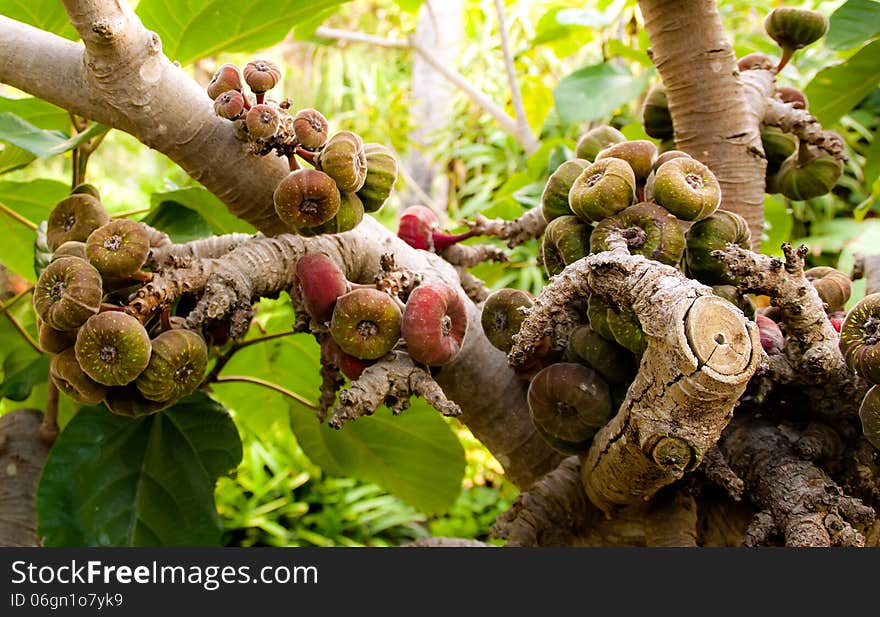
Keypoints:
pixel 22 455
pixel 698 67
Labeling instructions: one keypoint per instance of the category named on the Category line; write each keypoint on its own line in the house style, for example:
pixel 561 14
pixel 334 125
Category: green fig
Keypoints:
pixel 603 189
pixel 687 188
pixel 648 229
pixel 554 199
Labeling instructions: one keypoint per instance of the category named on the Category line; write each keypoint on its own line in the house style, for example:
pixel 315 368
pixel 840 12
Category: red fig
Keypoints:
pixel 434 324
pixel 317 283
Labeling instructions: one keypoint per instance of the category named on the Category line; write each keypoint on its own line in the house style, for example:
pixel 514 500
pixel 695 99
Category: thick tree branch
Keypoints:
pixel 22 455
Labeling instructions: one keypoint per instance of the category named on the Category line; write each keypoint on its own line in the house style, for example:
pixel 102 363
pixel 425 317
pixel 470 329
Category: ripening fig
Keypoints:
pixel 119 248
pixel 667 155
pixel 225 78
pixel 503 314
pixel 794 28
pixel 381 176
pixel 648 230
pixel 434 325
pixel 113 348
pixel 317 283
pixel 262 121
pixel 68 292
pixel 129 402
pixel 834 287
pixel 869 414
pixel 772 339
pixel 230 105
pixel 306 198
pixel 344 159
pixel 310 127
pixel 755 62
pixel 554 199
pixel 366 323
pixel 603 189
pixel 350 366
pixel 74 218
pixel 614 363
pixel 655 114
pixel 808 174
pixel 177 365
pixel 713 233
pixel 55 341
pixel 71 248
pixel 639 154
pixel 595 140
pixel 261 75
pixel 566 239
pixel 69 378
pixel 419 227
pixel 568 404
pixel 687 188
pixel 860 338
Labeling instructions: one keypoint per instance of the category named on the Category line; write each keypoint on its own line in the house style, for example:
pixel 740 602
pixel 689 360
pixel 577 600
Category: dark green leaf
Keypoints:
pixel 853 23
pixel 211 209
pixel 414 455
pixel 179 222
pixel 115 481
pixel 43 14
pixel 33 200
pixel 21 372
pixel 594 92
pixel 839 88
pixel 199 28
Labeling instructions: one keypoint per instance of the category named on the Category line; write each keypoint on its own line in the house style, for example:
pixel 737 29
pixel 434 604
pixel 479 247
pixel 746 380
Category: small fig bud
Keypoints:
pixel 792 96
pixel 177 366
pixel 261 75
pixel 502 316
pixel 655 114
pixel 113 348
pixel 793 28
pixel 317 283
pixel 366 323
pixel 226 78
pixel 869 414
pixel 595 140
pixel 834 287
pixel 603 189
pixel 310 127
pixel 772 339
pixel 119 248
pixel 639 154
pixel 229 105
pixel 306 198
pixel 809 174
pixel 713 233
pixel 344 159
pixel 74 218
pixel 55 341
pixel 648 229
pixel 381 176
pixel 568 404
pixel 755 62
pixel 129 402
pixel 434 324
pixel 262 121
pixel 565 240
pixel 554 199
pixel 860 338
pixel 69 378
pixel 68 292
pixel 614 363
pixel 687 188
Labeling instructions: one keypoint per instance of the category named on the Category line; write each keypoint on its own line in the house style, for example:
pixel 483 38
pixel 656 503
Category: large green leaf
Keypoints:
pixel 43 14
pixel 595 91
pixel 839 88
pixel 116 481
pixel 853 23
pixel 33 200
pixel 193 29
pixel 26 136
pixel 212 210
pixel 414 455
pixel 180 223
pixel 13 157
pixel 37 112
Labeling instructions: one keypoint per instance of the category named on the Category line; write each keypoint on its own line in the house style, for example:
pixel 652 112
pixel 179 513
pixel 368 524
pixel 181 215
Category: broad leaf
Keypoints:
pixel 414 455
pixel 853 23
pixel 37 112
pixel 211 209
pixel 116 481
pixel 180 223
pixel 595 91
pixel 33 200
pixel 839 88
pixel 43 14
pixel 28 137
pixel 193 29
pixel 13 157
pixel 21 372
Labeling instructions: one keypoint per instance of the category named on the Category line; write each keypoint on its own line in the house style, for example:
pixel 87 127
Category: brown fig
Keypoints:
pixel 113 348
pixel 792 96
pixel 230 105
pixel 74 218
pixel 317 283
pixel 226 78
pixel 70 379
pixel 597 139
pixel 86 188
pixel 754 62
pixel 262 121
pixel 503 314
pixel 603 189
pixel 119 248
pixel 71 248
pixel 366 323
pixel 306 198
pixel 129 402
pixel 834 287
pixel 554 199
pixel 310 127
pixel 434 324
pixel 177 365
pixel 55 341
pixel 344 159
pixel 68 292
pixel 261 75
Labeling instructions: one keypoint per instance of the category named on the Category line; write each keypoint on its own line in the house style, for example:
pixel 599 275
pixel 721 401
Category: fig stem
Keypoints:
pixel 48 428
pixel 307 155
pixel 292 163
pixel 787 54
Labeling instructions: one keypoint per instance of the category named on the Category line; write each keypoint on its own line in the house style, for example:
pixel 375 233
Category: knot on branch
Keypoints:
pixel 804 126
pixel 469 255
pixel 518 231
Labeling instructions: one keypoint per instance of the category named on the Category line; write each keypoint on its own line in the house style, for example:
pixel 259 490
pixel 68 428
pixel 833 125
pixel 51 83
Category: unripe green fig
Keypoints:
pixel 713 233
pixel 627 330
pixel 503 315
pixel 687 188
pixel 597 313
pixel 860 338
pixel 74 218
pixel 648 229
pixel 595 140
pixel 366 323
pixel 869 414
pixel 68 292
pixel 655 114
pixel 613 362
pixel 639 154
pixel 177 365
pixel 112 348
pixel 566 239
pixel 793 28
pixel 778 146
pixel 664 156
pixel 349 216
pixel 603 189
pixel 344 159
pixel 554 199
pixel 808 174
pixel 381 176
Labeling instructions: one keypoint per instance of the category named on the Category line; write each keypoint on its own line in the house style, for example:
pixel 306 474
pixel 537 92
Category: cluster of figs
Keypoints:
pixel 666 207
pixel 347 177
pixel 365 323
pixel 100 353
pixel 860 345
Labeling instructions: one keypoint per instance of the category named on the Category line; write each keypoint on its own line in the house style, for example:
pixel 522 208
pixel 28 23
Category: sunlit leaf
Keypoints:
pixel 595 91
pixel 33 200
pixel 853 23
pixel 839 88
